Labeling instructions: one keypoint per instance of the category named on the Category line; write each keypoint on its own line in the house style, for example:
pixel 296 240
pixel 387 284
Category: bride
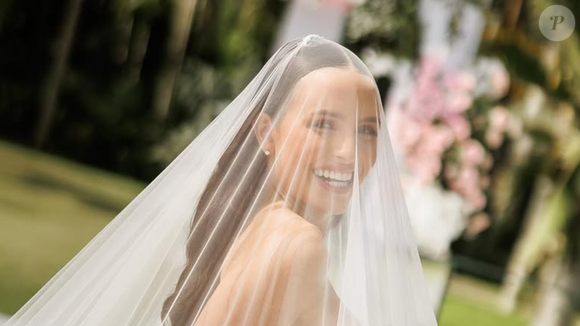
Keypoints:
pixel 286 210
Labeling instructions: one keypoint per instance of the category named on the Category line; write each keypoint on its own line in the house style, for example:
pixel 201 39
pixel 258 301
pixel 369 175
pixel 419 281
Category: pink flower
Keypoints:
pixel 435 139
pixel 469 177
pixel 425 103
pixel 458 102
pixel 500 82
pixel 462 81
pixel 344 6
pixel 488 161
pixel 473 152
pixel 429 66
pixel 424 166
pixel 477 200
pixel 493 138
pixel 478 223
pixel 442 137
pixel 499 118
pixel 466 181
pixel 459 125
pixel 406 131
pixel 467 184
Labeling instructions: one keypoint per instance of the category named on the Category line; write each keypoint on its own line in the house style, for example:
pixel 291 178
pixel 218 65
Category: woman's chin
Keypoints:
pixel 332 207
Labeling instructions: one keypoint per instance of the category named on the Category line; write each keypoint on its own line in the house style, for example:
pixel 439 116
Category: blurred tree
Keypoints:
pixel 61 48
pixel 177 39
pixel 122 61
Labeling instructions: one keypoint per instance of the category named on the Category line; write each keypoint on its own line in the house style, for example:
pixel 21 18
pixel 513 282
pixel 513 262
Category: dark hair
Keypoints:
pixel 236 182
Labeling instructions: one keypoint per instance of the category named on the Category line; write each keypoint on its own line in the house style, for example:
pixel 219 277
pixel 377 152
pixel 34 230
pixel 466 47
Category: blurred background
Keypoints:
pixel 97 97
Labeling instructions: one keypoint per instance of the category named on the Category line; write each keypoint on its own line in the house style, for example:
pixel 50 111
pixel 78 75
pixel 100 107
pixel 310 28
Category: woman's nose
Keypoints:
pixel 346 148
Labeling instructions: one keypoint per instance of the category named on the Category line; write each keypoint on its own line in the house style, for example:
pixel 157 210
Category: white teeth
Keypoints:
pixel 337 176
pixel 339 184
pixel 345 176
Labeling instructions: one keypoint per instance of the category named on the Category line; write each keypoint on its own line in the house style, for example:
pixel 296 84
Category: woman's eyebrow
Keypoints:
pixel 370 119
pixel 329 114
pixel 326 113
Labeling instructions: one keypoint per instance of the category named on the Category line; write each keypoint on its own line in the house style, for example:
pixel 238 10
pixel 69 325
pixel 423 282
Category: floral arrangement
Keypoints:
pixel 449 126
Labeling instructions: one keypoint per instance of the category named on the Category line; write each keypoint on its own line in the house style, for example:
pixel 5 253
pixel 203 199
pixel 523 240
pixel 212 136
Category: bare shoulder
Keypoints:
pixel 296 231
pixel 275 240
pixel 303 243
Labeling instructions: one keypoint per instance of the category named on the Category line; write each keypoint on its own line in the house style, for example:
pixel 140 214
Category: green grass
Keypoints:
pixel 49 209
pixel 473 302
pixel 470 301
pixel 460 311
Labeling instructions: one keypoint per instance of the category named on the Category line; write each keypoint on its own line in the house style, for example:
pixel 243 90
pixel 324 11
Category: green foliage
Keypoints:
pixel 201 92
pixel 385 25
pixel 103 114
pixel 520 62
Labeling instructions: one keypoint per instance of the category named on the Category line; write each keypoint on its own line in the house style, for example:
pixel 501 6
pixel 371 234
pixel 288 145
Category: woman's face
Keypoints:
pixel 329 126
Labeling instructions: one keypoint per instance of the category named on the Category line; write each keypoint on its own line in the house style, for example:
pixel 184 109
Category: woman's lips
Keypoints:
pixel 336 186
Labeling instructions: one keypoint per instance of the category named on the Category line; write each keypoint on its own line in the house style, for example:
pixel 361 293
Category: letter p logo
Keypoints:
pixel 557 23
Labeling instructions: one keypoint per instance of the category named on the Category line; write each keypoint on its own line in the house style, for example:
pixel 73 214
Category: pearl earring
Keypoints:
pixel 267 152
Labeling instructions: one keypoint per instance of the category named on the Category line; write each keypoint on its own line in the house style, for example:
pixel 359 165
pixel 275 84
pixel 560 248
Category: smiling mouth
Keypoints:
pixel 337 180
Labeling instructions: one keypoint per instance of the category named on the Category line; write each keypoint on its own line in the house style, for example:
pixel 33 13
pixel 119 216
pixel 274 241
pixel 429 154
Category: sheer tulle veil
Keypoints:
pixel 286 210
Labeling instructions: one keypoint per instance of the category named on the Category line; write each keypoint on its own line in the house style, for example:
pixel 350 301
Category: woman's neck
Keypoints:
pixel 309 214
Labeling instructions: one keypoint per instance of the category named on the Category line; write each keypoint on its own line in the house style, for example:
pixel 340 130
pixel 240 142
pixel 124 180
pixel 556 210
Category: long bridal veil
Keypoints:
pixel 286 210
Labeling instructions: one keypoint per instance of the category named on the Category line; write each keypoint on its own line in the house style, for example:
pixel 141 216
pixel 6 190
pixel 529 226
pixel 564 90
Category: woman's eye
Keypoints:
pixel 322 124
pixel 368 131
